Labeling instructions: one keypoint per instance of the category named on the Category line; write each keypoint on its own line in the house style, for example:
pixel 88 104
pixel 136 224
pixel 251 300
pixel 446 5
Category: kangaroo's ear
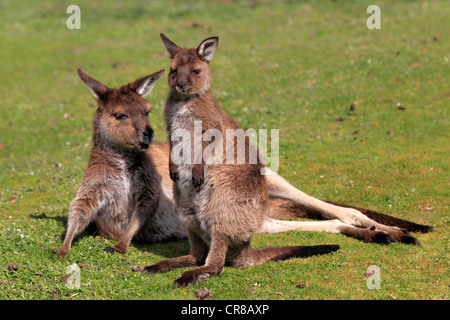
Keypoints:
pixel 98 89
pixel 170 46
pixel 206 49
pixel 144 85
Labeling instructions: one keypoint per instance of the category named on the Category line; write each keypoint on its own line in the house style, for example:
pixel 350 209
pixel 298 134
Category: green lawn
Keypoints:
pixel 296 66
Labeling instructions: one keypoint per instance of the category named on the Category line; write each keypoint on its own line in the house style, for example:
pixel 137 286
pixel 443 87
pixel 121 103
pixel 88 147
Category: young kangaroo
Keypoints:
pixel 121 188
pixel 222 205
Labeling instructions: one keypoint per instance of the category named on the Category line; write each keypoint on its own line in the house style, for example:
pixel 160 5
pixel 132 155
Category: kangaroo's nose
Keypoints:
pixel 147 137
pixel 181 85
pixel 148 134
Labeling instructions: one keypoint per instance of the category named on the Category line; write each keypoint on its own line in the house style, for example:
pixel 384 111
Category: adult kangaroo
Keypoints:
pixel 121 189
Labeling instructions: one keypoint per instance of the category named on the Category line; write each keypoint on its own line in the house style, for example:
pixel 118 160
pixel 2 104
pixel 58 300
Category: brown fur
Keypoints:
pixel 120 190
pixel 223 205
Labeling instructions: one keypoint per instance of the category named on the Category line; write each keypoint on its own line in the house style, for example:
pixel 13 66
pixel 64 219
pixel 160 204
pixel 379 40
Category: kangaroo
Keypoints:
pixel 121 191
pixel 222 205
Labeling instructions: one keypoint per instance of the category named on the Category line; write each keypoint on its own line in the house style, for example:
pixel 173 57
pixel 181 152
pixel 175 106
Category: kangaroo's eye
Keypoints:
pixel 196 71
pixel 120 116
pixel 173 70
pixel 148 112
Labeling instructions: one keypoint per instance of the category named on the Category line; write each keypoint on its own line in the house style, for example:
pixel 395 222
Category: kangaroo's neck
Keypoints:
pixel 110 152
pixel 176 97
pixel 182 108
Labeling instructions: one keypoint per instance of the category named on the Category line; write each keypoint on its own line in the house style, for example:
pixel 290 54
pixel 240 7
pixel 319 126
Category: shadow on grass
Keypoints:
pixel 169 248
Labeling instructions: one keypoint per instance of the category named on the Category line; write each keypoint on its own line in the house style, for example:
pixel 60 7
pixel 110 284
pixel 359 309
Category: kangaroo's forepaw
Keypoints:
pixel 174 176
pixel 198 181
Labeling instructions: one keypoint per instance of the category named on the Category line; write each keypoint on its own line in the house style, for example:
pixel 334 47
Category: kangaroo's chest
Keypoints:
pixel 118 193
pixel 180 120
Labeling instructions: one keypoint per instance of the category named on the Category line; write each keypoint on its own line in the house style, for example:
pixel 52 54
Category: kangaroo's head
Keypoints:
pixel 190 73
pixel 122 115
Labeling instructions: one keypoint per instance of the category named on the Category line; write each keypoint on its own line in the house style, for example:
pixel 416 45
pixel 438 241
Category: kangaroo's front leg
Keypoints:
pixel 173 169
pixel 198 168
pixel 198 175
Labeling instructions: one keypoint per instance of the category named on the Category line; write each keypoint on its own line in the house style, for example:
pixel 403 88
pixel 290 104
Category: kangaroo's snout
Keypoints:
pixel 147 137
pixel 182 86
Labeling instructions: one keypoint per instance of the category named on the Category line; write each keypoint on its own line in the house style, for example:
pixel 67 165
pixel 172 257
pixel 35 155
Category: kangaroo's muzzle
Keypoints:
pixel 148 137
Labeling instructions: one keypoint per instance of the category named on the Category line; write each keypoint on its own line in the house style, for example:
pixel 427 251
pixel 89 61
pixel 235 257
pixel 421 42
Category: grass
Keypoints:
pixel 292 65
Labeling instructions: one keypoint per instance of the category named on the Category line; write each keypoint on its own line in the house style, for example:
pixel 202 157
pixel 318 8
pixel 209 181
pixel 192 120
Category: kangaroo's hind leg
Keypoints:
pixel 389 220
pixel 333 226
pixel 146 209
pixel 278 187
pixel 81 213
pixel 213 266
pixel 286 209
pixel 196 257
